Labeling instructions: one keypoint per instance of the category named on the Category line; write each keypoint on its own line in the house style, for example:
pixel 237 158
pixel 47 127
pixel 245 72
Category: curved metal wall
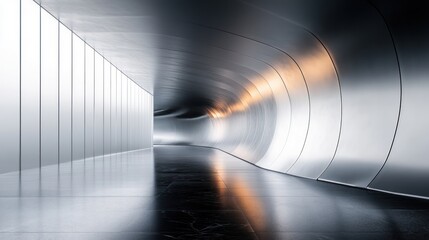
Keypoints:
pixel 330 90
pixel 337 98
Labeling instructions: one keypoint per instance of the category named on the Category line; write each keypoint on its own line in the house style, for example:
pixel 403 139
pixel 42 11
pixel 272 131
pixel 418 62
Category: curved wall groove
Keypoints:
pixel 406 169
pixel 400 91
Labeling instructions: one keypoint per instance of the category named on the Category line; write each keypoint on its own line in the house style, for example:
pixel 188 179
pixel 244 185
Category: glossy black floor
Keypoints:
pixel 195 193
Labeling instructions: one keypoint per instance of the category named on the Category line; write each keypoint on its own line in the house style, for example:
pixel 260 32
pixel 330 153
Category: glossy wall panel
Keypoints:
pixel 65 94
pixel 89 100
pixel 9 85
pixel 49 89
pixel 406 170
pixel 147 122
pixel 98 105
pixel 131 113
pixel 30 88
pixel 114 112
pixel 107 103
pixel 130 126
pixel 134 115
pixel 78 95
pixel 55 105
pixel 119 114
pixel 370 99
pixel 124 121
pixel 324 92
pixel 149 118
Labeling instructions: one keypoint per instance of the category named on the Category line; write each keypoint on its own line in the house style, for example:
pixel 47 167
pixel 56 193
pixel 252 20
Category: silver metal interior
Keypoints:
pixel 330 90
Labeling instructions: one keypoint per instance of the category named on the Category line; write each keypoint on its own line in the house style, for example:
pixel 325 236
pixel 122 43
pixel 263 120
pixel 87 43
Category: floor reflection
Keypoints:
pixel 194 193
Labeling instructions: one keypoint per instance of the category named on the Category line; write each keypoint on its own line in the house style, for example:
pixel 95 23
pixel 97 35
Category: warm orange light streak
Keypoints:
pixel 255 92
pixel 316 67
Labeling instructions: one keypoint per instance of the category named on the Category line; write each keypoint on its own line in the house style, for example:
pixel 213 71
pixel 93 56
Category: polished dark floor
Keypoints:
pixel 195 193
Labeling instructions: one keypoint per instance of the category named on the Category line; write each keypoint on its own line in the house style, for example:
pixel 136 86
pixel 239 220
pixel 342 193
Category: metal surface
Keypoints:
pixel 331 90
pixel 406 170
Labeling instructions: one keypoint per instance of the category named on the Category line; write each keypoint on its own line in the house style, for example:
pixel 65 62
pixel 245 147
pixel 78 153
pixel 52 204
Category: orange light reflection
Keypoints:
pixel 316 67
pixel 241 191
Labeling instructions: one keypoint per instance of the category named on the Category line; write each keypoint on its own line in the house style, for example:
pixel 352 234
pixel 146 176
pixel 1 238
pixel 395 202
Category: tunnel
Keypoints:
pixel 227 119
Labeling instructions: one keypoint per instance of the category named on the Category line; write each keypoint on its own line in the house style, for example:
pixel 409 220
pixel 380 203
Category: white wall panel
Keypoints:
pixel 89 102
pixel 78 98
pixel 30 84
pixel 129 116
pixel 9 85
pixel 49 89
pixel 113 113
pixel 133 116
pixel 136 117
pixel 107 107
pixel 124 114
pixel 119 110
pixel 146 120
pixel 139 99
pixel 98 104
pixel 65 93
